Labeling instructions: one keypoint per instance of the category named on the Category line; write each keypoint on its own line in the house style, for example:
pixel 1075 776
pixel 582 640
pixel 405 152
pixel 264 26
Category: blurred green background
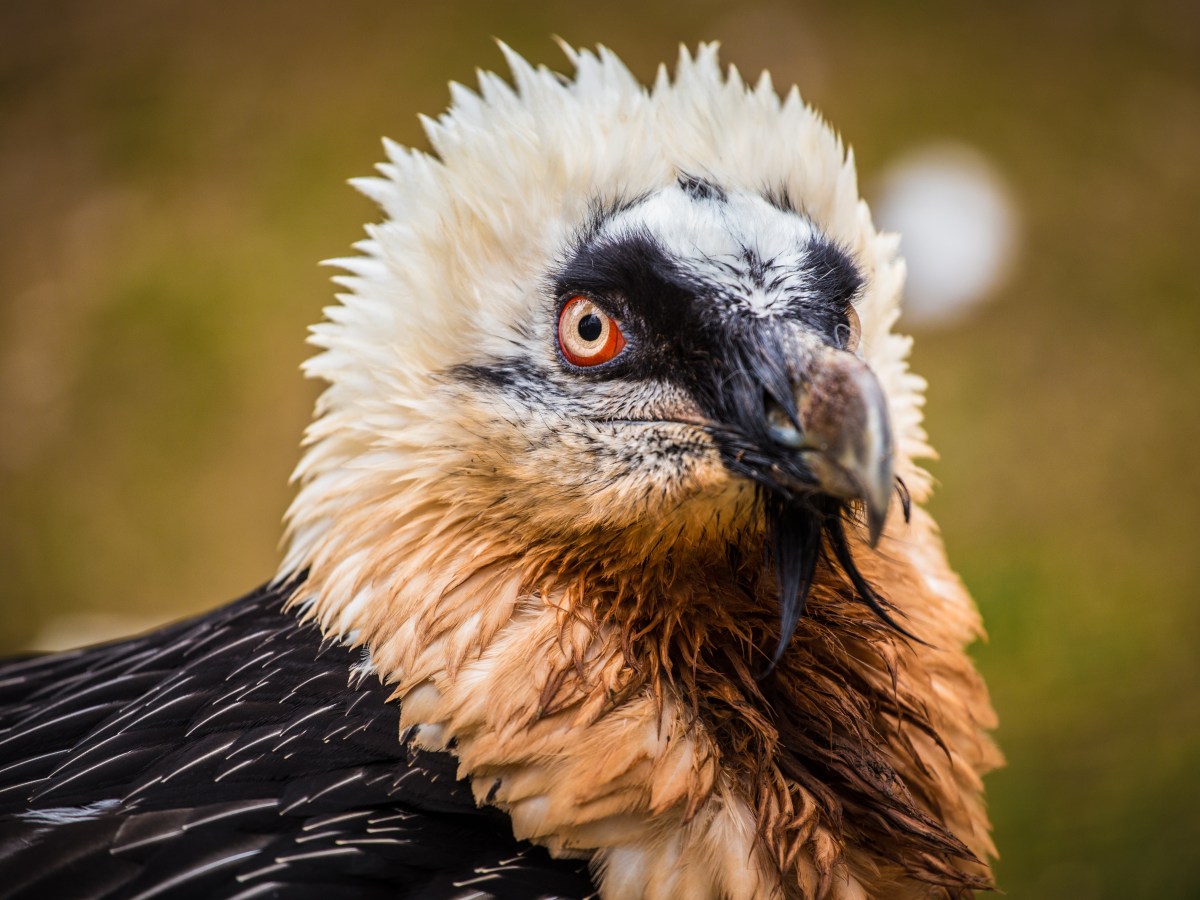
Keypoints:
pixel 171 172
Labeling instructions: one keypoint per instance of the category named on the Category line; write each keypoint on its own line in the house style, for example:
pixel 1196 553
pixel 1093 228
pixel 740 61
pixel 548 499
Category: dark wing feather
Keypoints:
pixel 235 755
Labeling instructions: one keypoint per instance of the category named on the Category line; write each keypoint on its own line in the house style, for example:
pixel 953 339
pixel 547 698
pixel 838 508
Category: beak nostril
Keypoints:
pixel 781 427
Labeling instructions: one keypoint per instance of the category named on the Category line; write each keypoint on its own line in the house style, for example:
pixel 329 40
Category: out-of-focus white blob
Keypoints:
pixel 958 227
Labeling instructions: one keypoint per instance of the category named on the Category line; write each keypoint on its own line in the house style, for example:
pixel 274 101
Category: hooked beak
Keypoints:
pixel 838 430
pixel 841 432
pixel 810 427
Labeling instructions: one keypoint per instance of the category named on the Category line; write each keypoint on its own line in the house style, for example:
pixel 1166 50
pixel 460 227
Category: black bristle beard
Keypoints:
pixel 800 536
pixel 795 544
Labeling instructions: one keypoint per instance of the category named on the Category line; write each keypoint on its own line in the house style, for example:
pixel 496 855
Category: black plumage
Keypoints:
pixel 239 754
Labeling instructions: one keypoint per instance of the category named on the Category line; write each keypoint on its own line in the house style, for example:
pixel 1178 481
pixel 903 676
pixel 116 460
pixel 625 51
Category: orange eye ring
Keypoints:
pixel 587 335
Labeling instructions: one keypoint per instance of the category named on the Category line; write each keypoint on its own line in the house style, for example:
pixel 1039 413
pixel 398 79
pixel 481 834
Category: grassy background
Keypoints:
pixel 170 173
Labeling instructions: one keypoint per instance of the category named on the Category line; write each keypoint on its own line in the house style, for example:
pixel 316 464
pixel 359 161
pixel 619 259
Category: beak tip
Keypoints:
pixel 876 518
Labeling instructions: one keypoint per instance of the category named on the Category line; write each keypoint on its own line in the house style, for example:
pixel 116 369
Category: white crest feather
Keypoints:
pixel 467 233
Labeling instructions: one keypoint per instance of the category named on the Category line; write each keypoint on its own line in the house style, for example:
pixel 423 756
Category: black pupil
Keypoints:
pixel 590 327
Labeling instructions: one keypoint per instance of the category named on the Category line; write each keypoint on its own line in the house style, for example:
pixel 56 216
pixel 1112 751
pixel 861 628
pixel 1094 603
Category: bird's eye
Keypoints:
pixel 848 333
pixel 587 335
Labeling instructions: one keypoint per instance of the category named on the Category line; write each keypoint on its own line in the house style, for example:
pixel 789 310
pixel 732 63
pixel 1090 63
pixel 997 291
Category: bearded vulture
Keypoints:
pixel 607 574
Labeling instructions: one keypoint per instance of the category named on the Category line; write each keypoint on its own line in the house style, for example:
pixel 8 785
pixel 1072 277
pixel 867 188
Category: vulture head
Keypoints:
pixel 614 479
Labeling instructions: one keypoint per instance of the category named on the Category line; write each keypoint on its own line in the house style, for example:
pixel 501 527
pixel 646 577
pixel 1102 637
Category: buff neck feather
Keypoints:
pixel 614 713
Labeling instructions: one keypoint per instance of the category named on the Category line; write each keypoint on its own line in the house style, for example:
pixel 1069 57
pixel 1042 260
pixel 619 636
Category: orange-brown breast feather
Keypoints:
pixel 618 711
